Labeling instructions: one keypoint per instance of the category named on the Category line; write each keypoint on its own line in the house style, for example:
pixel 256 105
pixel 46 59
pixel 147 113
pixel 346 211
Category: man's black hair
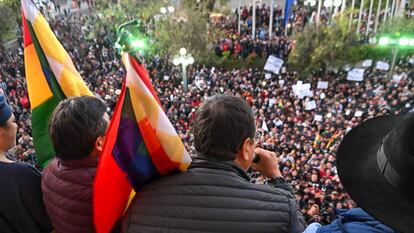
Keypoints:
pixel 75 125
pixel 222 124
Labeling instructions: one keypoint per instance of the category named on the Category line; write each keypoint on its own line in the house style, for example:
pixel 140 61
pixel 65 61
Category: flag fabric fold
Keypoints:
pixel 141 145
pixel 50 75
pixel 332 140
pixel 288 8
pixel 317 140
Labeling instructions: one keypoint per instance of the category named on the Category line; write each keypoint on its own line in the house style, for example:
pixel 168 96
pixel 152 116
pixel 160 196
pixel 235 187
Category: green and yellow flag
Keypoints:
pixel 50 74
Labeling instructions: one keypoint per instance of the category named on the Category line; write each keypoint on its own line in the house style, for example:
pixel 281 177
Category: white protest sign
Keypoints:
pixel 272 101
pixel 264 126
pixel 367 63
pixel 166 77
pixel 355 74
pixel 268 76
pixel 318 118
pixel 304 93
pixel 322 85
pixel 382 66
pixel 322 95
pixel 397 78
pixel 301 90
pixel 273 64
pixel 358 113
pixel 310 105
pixel 281 82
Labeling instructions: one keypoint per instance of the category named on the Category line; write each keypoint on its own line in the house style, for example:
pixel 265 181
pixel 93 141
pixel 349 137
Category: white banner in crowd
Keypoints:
pixel 318 118
pixel 272 101
pixel 273 64
pixel 397 78
pixel 310 105
pixel 367 63
pixel 281 82
pixel 264 126
pixel 301 90
pixel 322 85
pixel 305 93
pixel 358 113
pixel 355 74
pixel 268 76
pixel 382 66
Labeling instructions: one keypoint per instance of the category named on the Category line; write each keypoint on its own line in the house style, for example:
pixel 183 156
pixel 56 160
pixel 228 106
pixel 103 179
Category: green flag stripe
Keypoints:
pixel 40 121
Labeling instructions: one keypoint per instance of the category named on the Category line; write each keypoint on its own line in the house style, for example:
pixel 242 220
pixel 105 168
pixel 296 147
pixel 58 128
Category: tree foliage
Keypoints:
pixel 186 27
pixel 326 47
pixel 7 20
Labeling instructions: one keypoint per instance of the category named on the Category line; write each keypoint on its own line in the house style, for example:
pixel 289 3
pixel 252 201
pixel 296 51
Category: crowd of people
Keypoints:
pixel 305 139
pixel 241 45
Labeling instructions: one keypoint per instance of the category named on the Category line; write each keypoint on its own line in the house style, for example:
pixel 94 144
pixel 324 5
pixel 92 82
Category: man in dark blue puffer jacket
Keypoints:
pixel 215 195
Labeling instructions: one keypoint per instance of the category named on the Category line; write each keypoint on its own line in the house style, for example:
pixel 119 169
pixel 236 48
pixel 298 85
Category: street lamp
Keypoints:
pixel 184 59
pixel 310 3
pixel 395 44
pixel 332 3
pixel 165 10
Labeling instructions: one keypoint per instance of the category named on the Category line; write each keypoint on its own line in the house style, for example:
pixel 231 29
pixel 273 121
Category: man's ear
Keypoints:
pixel 244 150
pixel 99 143
pixel 243 158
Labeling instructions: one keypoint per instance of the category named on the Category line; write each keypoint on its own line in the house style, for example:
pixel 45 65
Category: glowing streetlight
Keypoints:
pixel 395 43
pixel 170 9
pixel 184 59
pixel 310 3
pixel 163 10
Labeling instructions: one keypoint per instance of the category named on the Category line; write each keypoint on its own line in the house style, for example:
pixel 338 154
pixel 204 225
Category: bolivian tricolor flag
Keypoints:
pixel 141 145
pixel 317 140
pixel 332 140
pixel 50 74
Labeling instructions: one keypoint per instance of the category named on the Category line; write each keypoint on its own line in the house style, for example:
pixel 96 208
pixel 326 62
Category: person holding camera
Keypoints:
pixel 215 194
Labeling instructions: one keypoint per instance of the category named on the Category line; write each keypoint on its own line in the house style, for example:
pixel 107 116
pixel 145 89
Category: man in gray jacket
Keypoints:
pixel 215 195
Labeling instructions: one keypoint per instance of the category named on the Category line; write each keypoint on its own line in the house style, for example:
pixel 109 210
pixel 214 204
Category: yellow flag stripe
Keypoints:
pixel 38 88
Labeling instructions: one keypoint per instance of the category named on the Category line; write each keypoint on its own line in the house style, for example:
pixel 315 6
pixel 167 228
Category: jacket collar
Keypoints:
pixel 77 163
pixel 202 161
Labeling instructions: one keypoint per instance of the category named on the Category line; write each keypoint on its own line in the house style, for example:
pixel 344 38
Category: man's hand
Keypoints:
pixel 268 165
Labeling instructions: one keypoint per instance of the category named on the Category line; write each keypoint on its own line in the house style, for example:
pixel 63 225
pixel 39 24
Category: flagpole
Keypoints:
pixel 271 19
pixel 361 8
pixel 402 8
pixel 351 15
pixel 254 19
pixel 392 11
pixel 385 12
pixel 318 15
pixel 343 7
pixel 239 17
pixel 377 16
pixel 371 5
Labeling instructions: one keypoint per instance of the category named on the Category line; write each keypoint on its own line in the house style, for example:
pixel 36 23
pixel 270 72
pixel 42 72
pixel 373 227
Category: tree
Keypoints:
pixel 326 47
pixel 7 21
pixel 185 27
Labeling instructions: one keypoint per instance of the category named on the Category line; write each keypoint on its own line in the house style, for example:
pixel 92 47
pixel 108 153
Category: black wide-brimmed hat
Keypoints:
pixel 376 167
